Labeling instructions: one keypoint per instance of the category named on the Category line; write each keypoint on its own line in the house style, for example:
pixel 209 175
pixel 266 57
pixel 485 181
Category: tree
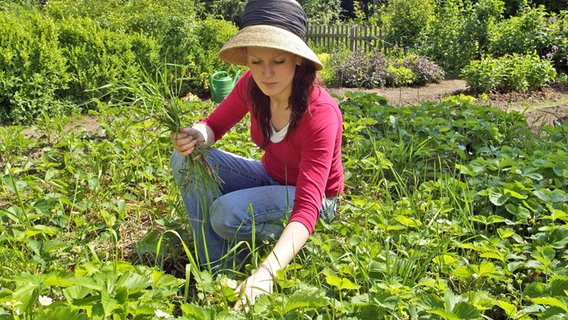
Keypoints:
pixel 318 11
pixel 322 11
pixel 552 5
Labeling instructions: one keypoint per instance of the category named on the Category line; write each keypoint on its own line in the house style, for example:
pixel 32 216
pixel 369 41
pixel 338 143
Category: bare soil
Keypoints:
pixel 541 107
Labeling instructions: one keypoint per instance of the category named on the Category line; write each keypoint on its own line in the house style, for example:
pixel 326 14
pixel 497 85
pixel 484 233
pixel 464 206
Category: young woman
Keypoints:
pixel 296 123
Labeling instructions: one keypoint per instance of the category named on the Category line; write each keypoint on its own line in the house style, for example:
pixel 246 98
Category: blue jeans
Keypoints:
pixel 249 206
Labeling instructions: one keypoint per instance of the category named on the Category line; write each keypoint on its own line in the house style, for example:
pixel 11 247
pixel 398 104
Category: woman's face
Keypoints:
pixel 273 70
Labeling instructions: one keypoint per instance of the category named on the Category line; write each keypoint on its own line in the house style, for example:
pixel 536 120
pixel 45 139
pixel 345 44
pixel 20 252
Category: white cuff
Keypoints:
pixel 206 132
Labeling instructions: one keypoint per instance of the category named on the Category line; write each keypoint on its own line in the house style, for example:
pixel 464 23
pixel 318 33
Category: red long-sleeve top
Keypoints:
pixel 309 159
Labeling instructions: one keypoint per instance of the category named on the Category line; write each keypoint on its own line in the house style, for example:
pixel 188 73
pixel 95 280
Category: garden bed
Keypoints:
pixel 541 107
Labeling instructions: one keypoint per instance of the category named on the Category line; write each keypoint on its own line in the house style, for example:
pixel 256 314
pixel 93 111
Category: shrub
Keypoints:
pixel 521 34
pixel 175 32
pixel 509 73
pixel 534 30
pixel 400 76
pixel 447 41
pixel 361 70
pixel 405 21
pixel 553 5
pixel 211 35
pixel 485 14
pixel 32 67
pixel 560 42
pixel 483 75
pixel 322 11
pixel 182 38
pixel 328 74
pixel 459 32
pixel 171 24
pixel 69 52
pixel 425 70
pixel 97 57
pixel 562 79
pixel 229 10
pixel 538 72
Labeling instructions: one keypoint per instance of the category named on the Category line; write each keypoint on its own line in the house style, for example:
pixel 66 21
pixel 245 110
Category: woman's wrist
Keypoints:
pixel 265 269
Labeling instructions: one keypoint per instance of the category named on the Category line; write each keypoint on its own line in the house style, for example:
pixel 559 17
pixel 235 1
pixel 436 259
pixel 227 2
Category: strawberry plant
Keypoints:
pixel 451 211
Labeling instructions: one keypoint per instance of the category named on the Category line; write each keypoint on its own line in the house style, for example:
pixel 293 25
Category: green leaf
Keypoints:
pixel 42 207
pixel 544 254
pixel 465 310
pixel 360 299
pixel 487 269
pixel 492 219
pixel 27 295
pixel 559 215
pixel 534 176
pixel 133 282
pixel 406 221
pixel 551 301
pixel 518 211
pixel 197 312
pixel 165 281
pixel 509 308
pixel 514 194
pixel 554 196
pixel 561 169
pixel 444 314
pixel 559 286
pixel 495 254
pixel 108 303
pixel 76 293
pixel 515 265
pixel 497 197
pixel 505 233
pixel 535 289
pixel 445 259
pixel 340 283
pixel 462 272
pixel 62 279
pixel 306 297
pixel 61 312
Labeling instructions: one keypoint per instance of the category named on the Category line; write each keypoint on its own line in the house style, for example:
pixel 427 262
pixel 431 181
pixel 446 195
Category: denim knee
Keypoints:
pixel 220 216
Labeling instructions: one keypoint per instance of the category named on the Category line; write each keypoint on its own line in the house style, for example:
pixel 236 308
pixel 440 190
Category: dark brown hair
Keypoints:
pixel 305 78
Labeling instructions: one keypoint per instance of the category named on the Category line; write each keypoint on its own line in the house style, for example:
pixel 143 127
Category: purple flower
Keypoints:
pixel 554 48
pixel 548 55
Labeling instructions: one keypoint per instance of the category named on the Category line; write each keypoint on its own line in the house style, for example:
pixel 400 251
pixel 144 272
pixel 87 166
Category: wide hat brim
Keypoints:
pixel 234 51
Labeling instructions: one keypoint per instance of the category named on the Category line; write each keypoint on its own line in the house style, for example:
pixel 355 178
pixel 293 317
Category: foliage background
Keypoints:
pixel 61 57
pixel 451 210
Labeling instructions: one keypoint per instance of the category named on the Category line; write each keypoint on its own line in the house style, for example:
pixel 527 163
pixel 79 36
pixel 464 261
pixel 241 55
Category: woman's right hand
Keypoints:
pixel 186 140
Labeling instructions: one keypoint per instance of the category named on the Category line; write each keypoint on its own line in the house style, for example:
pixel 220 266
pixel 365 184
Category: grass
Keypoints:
pixel 94 221
pixel 159 99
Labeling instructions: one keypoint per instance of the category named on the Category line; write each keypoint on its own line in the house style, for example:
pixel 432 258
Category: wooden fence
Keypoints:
pixel 354 37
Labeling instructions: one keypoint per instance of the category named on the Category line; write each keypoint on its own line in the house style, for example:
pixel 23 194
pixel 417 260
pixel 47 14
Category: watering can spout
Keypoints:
pixel 236 77
pixel 221 85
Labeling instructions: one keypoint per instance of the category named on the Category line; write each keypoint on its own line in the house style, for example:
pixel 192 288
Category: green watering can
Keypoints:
pixel 221 85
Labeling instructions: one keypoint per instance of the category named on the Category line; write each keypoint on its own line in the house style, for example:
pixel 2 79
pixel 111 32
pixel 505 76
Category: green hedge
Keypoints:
pixel 96 56
pixel 509 73
pixel 59 58
pixel 33 67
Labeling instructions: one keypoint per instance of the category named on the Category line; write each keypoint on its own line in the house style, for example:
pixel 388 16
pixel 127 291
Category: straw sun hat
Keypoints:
pixel 275 24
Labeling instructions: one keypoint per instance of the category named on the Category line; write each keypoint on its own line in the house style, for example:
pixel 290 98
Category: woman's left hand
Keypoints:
pixel 261 282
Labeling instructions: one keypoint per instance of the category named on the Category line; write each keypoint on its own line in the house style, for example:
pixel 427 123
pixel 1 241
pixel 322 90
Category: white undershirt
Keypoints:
pixel 278 136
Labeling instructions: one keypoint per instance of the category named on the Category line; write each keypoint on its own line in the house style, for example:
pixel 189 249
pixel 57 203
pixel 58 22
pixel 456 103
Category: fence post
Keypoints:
pixel 352 37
